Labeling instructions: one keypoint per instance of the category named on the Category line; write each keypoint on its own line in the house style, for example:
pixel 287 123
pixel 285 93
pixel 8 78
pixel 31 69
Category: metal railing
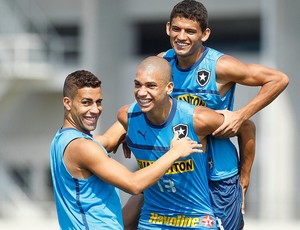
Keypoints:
pixel 29 44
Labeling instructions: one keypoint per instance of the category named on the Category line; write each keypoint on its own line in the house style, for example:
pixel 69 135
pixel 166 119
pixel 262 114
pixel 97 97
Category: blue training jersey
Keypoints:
pixel 197 85
pixel 181 198
pixel 87 204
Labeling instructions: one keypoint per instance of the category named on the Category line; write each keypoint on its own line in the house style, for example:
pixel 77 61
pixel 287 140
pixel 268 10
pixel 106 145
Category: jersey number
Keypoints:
pixel 166 186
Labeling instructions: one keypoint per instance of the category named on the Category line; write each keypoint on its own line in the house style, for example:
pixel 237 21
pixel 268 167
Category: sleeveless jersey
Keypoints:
pixel 197 85
pixel 180 199
pixel 82 203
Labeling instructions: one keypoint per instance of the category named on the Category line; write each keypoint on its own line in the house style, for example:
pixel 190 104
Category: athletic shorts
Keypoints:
pixel 227 200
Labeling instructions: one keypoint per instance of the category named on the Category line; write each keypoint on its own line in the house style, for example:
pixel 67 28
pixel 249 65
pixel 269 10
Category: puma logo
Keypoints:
pixel 143 134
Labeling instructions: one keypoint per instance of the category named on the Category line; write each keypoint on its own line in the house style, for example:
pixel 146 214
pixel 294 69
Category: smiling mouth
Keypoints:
pixel 181 44
pixel 92 120
pixel 144 102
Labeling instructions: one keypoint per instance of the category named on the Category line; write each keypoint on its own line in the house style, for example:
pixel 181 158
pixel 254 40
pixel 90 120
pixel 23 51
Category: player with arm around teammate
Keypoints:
pixel 204 76
pixel 181 198
pixel 85 178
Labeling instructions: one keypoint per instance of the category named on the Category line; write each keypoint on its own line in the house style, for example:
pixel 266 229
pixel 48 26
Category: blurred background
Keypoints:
pixel 42 41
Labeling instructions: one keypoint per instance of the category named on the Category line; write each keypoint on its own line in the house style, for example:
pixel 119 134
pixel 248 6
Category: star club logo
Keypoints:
pixel 207 221
pixel 203 77
pixel 182 130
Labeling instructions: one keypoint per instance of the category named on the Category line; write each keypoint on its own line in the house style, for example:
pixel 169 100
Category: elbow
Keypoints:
pixel 248 129
pixel 284 81
pixel 110 149
pixel 135 186
pixel 135 190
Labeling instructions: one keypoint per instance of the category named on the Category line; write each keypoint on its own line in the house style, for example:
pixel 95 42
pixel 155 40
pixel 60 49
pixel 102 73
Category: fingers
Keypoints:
pixel 218 130
pixel 243 203
pixel 176 136
pixel 126 150
pixel 195 146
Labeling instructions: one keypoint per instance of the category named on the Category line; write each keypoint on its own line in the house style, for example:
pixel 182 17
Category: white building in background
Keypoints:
pixel 42 41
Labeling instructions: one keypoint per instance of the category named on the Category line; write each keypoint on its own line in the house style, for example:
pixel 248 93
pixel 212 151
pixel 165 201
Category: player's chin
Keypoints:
pixel 90 127
pixel 145 107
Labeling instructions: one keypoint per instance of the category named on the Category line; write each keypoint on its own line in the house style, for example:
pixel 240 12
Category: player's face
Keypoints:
pixel 151 90
pixel 186 36
pixel 85 109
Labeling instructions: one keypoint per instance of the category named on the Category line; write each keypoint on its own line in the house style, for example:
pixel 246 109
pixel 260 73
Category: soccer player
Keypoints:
pixel 85 178
pixel 206 77
pixel 180 199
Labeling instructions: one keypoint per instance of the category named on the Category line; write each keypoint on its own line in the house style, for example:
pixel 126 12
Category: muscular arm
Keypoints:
pixel 206 120
pixel 229 71
pixel 246 140
pixel 84 158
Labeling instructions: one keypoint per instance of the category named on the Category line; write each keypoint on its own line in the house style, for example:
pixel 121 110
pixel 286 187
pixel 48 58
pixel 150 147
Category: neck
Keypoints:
pixel 185 62
pixel 160 115
pixel 69 123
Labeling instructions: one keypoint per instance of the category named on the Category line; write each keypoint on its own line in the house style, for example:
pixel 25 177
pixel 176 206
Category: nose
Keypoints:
pixel 95 108
pixel 181 35
pixel 142 91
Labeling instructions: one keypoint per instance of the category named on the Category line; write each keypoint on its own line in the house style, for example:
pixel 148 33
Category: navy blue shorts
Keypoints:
pixel 227 200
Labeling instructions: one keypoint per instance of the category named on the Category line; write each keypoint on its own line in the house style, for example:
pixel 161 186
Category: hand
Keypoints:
pixel 185 146
pixel 126 150
pixel 231 125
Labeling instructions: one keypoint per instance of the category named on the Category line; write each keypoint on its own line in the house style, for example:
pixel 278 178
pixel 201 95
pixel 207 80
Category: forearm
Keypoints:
pixel 269 91
pixel 246 140
pixel 112 138
pixel 149 175
pixel 131 212
pixel 179 148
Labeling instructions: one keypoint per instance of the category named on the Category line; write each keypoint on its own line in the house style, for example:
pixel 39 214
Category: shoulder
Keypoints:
pixel 228 60
pixel 81 144
pixel 123 114
pixel 229 69
pixel 162 54
pixel 168 55
pixel 124 109
pixel 229 63
pixel 82 149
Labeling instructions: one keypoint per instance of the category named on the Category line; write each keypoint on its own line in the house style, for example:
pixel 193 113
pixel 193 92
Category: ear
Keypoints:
pixel 170 87
pixel 205 34
pixel 168 27
pixel 67 103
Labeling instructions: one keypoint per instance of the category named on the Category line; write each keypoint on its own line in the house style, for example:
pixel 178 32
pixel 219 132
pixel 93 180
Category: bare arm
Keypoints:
pixel 113 137
pixel 131 211
pixel 272 82
pixel 246 140
pixel 85 157
pixel 206 120
pixel 161 54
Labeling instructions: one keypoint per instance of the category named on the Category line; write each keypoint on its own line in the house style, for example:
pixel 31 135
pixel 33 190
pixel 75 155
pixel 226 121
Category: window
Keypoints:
pixel 228 34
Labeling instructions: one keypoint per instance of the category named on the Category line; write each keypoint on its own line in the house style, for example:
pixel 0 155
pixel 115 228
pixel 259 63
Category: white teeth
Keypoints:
pixel 144 101
pixel 182 44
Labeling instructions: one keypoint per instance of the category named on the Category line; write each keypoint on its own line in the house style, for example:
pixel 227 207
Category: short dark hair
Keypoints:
pixel 192 10
pixel 77 80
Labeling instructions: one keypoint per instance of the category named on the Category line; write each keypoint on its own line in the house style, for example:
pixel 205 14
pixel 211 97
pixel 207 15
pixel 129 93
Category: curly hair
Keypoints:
pixel 192 10
pixel 79 79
